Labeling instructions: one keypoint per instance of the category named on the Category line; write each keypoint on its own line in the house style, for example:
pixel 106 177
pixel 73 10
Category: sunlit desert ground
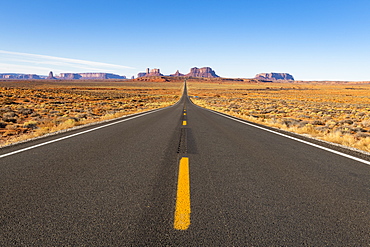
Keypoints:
pixel 335 113
pixel 32 109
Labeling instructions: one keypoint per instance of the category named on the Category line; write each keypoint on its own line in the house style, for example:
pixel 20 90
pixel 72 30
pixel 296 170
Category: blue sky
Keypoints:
pixel 311 39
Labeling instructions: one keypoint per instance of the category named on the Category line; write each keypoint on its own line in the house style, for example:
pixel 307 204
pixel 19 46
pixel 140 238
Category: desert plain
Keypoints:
pixel 30 109
pixel 334 112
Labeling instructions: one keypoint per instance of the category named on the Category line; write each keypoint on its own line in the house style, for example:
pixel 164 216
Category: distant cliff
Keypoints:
pixel 63 76
pixel 19 76
pixel 51 76
pixel 177 73
pixel 89 76
pixel 205 72
pixel 153 72
pixel 274 76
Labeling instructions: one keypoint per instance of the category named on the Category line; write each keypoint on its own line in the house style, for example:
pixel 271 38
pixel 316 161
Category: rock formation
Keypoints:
pixel 177 74
pixel 64 76
pixel 19 76
pixel 274 76
pixel 206 72
pixel 32 76
pixel 153 72
pixel 51 76
pixel 69 76
pixel 89 76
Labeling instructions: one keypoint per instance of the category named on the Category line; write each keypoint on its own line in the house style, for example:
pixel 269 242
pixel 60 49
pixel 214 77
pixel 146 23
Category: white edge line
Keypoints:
pixel 86 131
pixel 80 133
pixel 290 137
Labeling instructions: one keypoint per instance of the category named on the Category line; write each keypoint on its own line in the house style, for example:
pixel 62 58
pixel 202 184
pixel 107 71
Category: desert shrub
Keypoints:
pixel 25 111
pixel 322 128
pixel 346 121
pixel 362 135
pixel 9 114
pixel 9 119
pixel 303 123
pixel 69 123
pixel 365 123
pixel 289 122
pixel 11 127
pixel 81 115
pixel 361 114
pixel 358 129
pixel 317 122
pixel 30 124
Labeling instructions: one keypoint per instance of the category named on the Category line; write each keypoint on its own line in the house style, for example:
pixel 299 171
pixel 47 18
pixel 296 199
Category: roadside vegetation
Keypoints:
pixel 29 110
pixel 335 113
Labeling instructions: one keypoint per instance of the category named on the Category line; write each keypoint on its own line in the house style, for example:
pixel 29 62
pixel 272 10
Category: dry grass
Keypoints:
pixel 335 113
pixel 32 109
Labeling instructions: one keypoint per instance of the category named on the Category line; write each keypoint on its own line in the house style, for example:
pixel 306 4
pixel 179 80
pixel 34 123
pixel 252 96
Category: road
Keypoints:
pixel 122 185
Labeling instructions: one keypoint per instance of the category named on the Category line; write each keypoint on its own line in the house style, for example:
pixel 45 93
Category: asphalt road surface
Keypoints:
pixel 120 185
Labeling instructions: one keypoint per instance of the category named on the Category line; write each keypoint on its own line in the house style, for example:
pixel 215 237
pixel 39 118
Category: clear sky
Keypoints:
pixel 310 39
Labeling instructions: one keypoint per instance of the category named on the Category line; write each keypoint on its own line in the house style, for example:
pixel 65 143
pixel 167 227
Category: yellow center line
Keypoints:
pixel 182 212
pixel 184 122
pixel 184 113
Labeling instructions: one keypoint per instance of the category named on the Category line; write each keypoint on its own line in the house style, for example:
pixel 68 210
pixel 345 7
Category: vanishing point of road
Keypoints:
pixel 181 176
